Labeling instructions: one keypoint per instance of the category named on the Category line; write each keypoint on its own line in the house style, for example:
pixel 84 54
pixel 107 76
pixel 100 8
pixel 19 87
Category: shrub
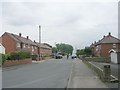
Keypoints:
pixel 24 54
pixel 18 55
pixel 14 56
pixel 34 57
pixel 2 58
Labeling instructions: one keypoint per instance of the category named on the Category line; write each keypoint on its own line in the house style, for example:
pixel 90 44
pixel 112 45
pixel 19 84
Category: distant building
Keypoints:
pixel 103 46
pixel 13 42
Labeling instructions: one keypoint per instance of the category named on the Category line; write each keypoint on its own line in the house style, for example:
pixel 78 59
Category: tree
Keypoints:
pixel 54 50
pixel 80 52
pixel 64 48
pixel 87 51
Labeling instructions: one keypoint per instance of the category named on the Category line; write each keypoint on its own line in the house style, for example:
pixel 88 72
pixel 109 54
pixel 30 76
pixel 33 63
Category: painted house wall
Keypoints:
pixel 114 57
pixel 2 49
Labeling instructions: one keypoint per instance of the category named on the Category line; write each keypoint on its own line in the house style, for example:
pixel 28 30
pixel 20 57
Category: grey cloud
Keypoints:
pixel 76 23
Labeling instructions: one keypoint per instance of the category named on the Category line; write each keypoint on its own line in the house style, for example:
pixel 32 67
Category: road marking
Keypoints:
pixel 70 79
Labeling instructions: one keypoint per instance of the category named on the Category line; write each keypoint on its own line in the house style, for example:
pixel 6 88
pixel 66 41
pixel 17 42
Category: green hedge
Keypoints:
pixel 2 58
pixel 14 56
pixel 18 55
pixel 34 57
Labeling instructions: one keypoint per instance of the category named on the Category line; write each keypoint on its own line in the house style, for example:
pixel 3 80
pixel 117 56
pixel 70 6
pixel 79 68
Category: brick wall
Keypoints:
pixel 16 62
pixel 8 43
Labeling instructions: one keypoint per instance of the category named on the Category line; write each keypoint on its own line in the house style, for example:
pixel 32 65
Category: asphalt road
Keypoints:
pixel 48 74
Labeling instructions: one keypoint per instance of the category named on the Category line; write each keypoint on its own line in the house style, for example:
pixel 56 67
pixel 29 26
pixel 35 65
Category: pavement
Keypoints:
pixel 83 77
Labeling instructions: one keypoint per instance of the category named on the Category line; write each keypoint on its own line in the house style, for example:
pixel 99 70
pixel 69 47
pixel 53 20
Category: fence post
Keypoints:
pixel 106 73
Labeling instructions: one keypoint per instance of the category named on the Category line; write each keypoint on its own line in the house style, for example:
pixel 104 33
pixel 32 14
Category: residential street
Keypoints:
pixel 47 74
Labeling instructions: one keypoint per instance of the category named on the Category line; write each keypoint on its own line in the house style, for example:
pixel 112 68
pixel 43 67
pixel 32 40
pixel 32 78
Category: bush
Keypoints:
pixel 24 54
pixel 2 58
pixel 34 57
pixel 18 55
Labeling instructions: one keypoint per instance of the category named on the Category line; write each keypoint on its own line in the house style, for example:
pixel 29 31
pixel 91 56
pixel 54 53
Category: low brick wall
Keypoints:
pixel 46 58
pixel 104 75
pixel 98 59
pixel 16 62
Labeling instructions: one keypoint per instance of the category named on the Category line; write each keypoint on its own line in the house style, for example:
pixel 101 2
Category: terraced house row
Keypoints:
pixel 103 47
pixel 13 42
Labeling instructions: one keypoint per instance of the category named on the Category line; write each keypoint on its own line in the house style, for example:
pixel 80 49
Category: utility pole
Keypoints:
pixel 40 42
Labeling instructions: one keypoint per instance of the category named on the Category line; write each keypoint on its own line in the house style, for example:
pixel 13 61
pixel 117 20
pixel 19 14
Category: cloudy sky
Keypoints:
pixel 72 22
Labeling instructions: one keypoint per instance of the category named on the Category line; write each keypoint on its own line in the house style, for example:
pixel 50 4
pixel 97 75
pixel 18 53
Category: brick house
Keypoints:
pixel 13 42
pixel 44 50
pixel 103 46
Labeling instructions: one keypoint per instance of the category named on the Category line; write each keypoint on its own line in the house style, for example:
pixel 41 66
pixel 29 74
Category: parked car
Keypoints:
pixel 58 56
pixel 73 56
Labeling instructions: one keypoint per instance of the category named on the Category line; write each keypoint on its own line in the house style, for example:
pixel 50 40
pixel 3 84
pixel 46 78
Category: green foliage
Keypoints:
pixel 34 57
pixel 18 55
pixel 64 48
pixel 87 51
pixel 24 54
pixel 2 58
pixel 54 50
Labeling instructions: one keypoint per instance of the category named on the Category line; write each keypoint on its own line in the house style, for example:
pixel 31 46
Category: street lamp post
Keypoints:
pixel 40 42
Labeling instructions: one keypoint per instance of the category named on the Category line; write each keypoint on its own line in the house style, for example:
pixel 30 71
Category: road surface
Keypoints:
pixel 47 74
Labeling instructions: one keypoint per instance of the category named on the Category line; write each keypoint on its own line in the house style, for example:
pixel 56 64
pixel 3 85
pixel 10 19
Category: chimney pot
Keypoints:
pixel 27 37
pixel 20 34
pixel 109 33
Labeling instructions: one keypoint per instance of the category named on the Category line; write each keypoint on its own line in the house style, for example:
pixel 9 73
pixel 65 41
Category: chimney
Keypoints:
pixel 34 40
pixel 20 34
pixel 27 37
pixel 109 34
pixel 104 36
pixel 95 42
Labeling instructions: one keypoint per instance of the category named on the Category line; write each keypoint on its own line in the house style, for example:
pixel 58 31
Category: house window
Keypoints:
pixel 97 48
pixel 35 47
pixel 23 45
pixel 18 44
pixel 32 48
pixel 114 45
pixel 28 46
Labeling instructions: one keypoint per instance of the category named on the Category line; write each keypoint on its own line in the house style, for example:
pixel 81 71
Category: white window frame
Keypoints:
pixel 32 48
pixel 18 45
